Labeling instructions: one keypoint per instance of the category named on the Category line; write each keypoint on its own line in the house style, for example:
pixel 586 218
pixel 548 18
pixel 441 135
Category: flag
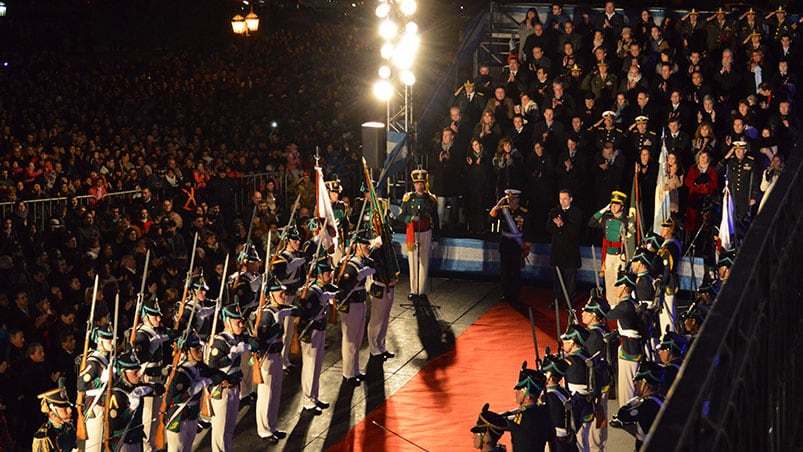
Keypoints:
pixel 324 212
pixel 634 218
pixel 726 225
pixel 662 211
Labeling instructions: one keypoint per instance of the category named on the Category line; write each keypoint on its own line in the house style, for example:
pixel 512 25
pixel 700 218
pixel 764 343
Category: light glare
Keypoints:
pixel 408 7
pixel 384 72
pixel 382 10
pixel 383 90
pixel 408 78
pixel 388 29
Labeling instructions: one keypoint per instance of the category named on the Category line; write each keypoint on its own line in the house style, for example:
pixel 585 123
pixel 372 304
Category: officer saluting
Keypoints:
pixel 419 211
pixel 58 433
pixel 608 132
pixel 613 221
pixel 514 245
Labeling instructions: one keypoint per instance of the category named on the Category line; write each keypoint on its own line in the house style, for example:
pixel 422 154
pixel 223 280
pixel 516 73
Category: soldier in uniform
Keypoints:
pixel 639 413
pixel 720 31
pixel 228 348
pixel 380 295
pixel 92 381
pixel 740 172
pixel 782 25
pixel 184 395
pixel 420 214
pixel 748 24
pixel 339 209
pixel 489 428
pixel 288 268
pixel 640 266
pixel 351 304
pixel 608 132
pixel 312 332
pixel 725 263
pixel 245 285
pixel 269 333
pixel 556 398
pixel 127 429
pixel 594 316
pixel 671 352
pixel 529 422
pixel 670 255
pixel 514 245
pixel 58 433
pixel 613 220
pixel 693 319
pixel 580 383
pixel 628 314
pixel 641 138
pixel 151 346
pixel 692 31
pixel 204 308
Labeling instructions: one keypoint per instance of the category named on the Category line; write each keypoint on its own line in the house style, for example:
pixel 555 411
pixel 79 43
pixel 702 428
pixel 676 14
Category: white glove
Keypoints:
pixel 199 385
pixel 328 296
pixel 104 375
pixel 136 396
pixel 365 272
pixel 160 339
pixel 239 349
pixel 295 263
pixel 604 209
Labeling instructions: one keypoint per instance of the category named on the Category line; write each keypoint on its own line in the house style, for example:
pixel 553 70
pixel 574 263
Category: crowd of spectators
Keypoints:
pixel 704 81
pixel 181 130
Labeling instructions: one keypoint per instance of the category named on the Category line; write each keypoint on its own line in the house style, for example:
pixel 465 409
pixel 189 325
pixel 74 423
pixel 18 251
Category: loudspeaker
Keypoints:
pixel 374 144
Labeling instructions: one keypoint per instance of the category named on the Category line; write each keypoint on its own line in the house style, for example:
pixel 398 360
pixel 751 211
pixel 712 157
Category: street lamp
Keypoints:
pixel 245 25
pixel 3 9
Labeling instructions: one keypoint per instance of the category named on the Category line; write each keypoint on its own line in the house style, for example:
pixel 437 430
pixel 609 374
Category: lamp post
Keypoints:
pixel 245 26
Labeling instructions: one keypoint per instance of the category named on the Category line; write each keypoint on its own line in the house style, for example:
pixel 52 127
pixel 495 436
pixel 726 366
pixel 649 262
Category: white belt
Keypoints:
pixel 580 389
pixel 561 432
pixel 633 334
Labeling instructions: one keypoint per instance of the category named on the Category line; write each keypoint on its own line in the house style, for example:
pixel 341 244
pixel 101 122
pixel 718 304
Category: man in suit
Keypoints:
pixel 565 223
pixel 679 142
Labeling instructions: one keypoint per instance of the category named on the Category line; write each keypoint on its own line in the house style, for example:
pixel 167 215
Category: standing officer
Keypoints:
pixel 639 413
pixel 631 345
pixel 312 332
pixel 740 173
pixel 613 221
pixel 93 382
pixel 529 422
pixel 351 304
pixel 184 395
pixel 514 245
pixel 245 285
pixel 594 316
pixel 339 209
pixel 489 428
pixel 578 382
pixel 380 296
pixel 227 349
pixel 151 346
pixel 670 254
pixel 558 402
pixel 419 210
pixel 671 353
pixel 269 333
pixel 288 268
pixel 58 433
pixel 565 223
pixel 607 132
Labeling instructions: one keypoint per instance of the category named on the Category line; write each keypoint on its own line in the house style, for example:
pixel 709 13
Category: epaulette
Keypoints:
pixel 652 133
pixel 432 197
pixel 618 129
pixel 750 157
pixel 407 196
pixel 523 209
pixel 479 93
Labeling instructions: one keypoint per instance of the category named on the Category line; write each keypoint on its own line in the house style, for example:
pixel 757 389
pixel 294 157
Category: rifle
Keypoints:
pixel 312 265
pixel 159 437
pixel 110 382
pixel 391 267
pixel 596 271
pixel 535 339
pixel 348 255
pixel 80 428
pixel 187 282
pixel 251 225
pixel 206 404
pixel 140 300
pixel 569 307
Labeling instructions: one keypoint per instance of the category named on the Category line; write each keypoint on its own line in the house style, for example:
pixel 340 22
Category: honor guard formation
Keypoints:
pixel 169 253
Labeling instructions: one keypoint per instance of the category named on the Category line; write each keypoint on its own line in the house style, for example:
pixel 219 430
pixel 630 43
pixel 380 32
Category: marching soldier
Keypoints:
pixel 245 285
pixel 127 429
pixel 628 314
pixel 339 209
pixel 312 332
pixel 92 381
pixel 613 221
pixel 594 316
pixel 269 333
pixel 489 428
pixel 228 348
pixel 671 353
pixel 743 182
pixel 288 268
pixel 58 433
pixel 639 413
pixel 151 346
pixel 420 213
pixel 380 295
pixel 608 132
pixel 529 423
pixel 514 245
pixel 560 413
pixel 351 304
pixel 204 309
pixel 184 395
pixel 579 383
pixel 670 254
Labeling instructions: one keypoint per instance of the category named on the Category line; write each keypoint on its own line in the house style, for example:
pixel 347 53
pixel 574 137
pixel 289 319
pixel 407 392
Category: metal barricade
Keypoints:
pixel 40 211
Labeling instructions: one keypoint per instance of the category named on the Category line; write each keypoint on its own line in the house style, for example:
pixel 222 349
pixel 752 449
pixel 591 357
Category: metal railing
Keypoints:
pixel 739 388
pixel 42 210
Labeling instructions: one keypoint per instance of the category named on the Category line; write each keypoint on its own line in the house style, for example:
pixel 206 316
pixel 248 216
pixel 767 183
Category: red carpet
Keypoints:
pixel 439 405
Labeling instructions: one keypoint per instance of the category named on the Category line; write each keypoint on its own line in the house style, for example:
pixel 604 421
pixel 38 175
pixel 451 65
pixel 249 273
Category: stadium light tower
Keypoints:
pixel 396 75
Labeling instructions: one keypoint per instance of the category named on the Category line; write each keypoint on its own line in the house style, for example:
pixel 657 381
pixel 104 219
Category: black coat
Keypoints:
pixel 566 239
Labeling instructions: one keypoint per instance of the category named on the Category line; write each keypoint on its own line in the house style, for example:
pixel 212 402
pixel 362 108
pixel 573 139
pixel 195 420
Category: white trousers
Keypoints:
pixel 269 395
pixel 378 322
pixel 181 441
pixel 247 383
pixel 611 268
pixel 94 430
pixel 225 419
pixel 625 388
pixel 352 325
pixel 418 262
pixel 311 365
